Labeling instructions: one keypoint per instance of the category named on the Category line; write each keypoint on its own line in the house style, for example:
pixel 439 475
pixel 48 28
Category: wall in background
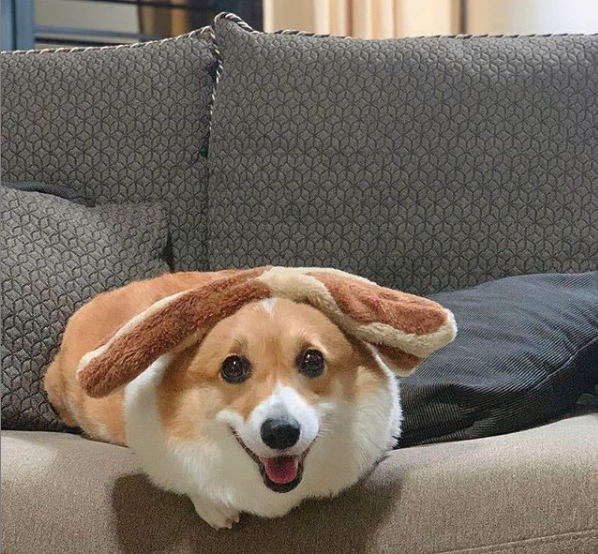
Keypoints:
pixel 114 18
pixel 113 22
pixel 404 18
pixel 17 24
pixel 65 13
pixel 416 18
pixel 293 14
pixel 48 23
pixel 365 18
pixel 532 16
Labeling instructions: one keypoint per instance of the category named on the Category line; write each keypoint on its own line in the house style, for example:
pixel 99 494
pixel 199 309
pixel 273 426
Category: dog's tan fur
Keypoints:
pixel 404 328
pixel 193 392
pixel 165 328
pixel 92 325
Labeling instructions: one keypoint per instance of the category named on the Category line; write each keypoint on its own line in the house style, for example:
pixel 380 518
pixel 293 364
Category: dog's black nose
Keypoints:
pixel 280 433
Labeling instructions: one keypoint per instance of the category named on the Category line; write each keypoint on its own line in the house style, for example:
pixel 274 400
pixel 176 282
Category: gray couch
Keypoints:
pixel 131 124
pixel 529 492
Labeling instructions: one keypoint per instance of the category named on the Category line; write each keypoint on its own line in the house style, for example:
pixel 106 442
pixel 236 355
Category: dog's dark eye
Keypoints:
pixel 235 369
pixel 311 363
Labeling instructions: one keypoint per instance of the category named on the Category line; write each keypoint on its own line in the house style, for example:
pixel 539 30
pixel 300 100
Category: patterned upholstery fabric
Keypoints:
pixel 118 124
pixel 423 164
pixel 56 255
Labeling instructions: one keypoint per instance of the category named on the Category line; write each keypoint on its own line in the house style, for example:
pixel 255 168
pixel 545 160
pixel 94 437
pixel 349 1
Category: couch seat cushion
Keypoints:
pixel 534 491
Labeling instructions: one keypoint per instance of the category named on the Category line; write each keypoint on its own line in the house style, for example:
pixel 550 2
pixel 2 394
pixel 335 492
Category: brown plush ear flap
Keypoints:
pixel 163 327
pixel 403 328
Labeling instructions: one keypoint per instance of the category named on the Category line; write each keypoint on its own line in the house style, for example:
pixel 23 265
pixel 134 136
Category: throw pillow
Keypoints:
pixel 526 350
pixel 56 255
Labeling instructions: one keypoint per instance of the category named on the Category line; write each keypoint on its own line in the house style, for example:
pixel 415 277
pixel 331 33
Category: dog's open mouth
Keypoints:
pixel 279 473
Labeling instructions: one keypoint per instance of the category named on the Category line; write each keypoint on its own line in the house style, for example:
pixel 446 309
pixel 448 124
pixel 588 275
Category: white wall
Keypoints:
pixel 532 16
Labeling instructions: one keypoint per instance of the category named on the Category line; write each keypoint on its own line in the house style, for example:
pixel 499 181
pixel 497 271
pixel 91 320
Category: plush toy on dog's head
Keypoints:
pixel 403 328
pixel 251 390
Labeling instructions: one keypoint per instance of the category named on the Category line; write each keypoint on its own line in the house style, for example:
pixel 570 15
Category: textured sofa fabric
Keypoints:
pixel 424 164
pixel 57 255
pixel 532 492
pixel 61 191
pixel 124 124
pixel 526 350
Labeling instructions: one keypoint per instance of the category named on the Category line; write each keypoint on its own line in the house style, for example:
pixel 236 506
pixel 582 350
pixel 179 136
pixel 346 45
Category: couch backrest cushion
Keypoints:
pixel 423 164
pixel 118 124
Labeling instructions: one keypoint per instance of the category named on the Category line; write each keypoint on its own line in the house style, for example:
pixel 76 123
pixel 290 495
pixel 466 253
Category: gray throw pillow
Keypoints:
pixel 424 164
pixel 526 352
pixel 56 255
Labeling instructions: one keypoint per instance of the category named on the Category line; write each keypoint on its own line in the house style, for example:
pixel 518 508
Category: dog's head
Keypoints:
pixel 271 355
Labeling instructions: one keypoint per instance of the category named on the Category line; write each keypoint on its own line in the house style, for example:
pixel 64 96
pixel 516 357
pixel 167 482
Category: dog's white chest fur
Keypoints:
pixel 221 478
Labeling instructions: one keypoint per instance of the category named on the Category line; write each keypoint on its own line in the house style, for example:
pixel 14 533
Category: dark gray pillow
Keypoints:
pixel 526 350
pixel 118 124
pixel 56 255
pixel 424 164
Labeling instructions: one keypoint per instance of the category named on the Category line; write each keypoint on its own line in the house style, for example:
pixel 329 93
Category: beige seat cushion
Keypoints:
pixel 531 492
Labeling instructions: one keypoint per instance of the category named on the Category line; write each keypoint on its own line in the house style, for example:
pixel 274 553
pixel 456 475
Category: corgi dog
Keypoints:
pixel 247 390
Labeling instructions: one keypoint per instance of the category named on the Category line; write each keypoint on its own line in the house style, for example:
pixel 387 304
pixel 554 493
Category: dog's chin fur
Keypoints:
pixel 220 477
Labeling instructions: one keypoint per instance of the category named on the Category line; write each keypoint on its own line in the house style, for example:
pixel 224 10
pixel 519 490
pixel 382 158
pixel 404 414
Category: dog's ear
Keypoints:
pixel 170 324
pixel 403 328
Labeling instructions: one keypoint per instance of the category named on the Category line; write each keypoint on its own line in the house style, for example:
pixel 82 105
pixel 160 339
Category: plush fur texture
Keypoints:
pixel 405 326
pixel 142 366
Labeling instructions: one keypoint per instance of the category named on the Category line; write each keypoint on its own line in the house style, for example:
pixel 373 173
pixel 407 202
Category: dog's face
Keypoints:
pixel 273 374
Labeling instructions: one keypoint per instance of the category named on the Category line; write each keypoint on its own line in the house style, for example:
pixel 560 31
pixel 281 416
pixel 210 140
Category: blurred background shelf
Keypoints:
pixel 53 23
pixel 30 24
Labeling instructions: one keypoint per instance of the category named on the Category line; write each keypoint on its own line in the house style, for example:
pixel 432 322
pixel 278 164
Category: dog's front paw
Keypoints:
pixel 218 516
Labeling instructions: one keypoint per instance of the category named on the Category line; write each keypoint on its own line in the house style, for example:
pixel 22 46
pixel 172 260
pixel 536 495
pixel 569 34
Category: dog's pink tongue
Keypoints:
pixel 282 470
